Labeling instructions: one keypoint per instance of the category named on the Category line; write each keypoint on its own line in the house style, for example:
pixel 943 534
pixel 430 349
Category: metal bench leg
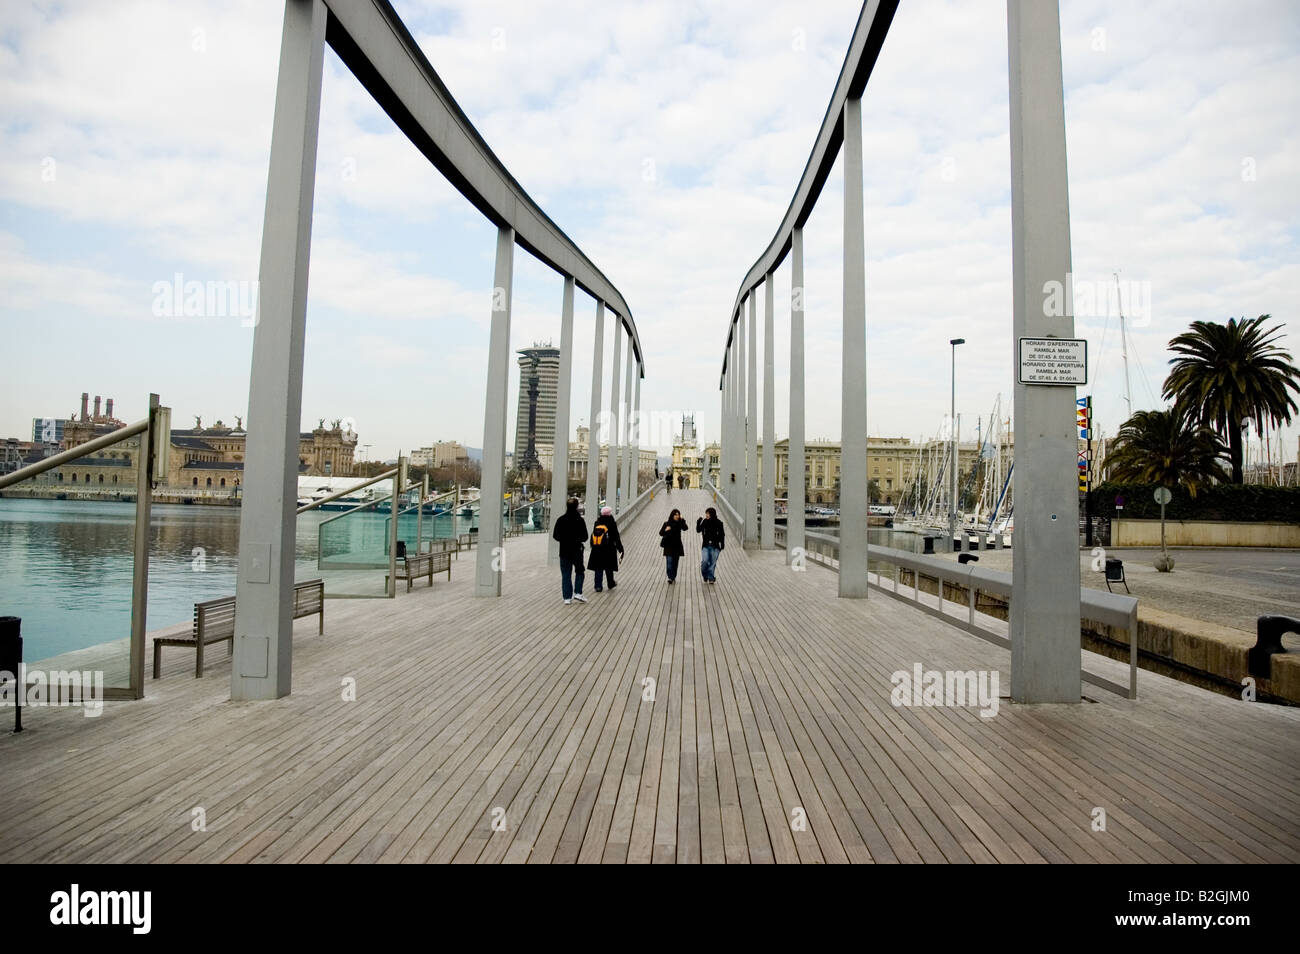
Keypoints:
pixel 198 659
pixel 157 657
pixel 321 630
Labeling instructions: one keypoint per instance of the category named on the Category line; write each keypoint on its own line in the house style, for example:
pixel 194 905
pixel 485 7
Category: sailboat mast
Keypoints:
pixel 1123 340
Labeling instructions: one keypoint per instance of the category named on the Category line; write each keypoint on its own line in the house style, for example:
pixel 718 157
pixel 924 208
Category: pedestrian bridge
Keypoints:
pixel 519 729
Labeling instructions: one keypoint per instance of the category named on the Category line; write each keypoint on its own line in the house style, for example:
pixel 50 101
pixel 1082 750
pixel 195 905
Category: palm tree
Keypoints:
pixel 1166 448
pixel 1229 374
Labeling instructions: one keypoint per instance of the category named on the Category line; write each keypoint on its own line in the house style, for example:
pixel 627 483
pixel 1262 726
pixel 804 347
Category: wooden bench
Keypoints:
pixel 214 622
pixel 413 566
pixel 448 545
pixel 466 540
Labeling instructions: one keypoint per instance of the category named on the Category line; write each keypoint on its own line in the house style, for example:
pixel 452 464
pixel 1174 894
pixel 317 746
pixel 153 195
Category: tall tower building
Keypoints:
pixel 537 399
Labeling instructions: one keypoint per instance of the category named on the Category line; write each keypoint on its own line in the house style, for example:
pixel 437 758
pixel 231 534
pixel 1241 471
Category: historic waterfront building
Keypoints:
pixel 893 463
pixel 648 459
pixel 690 459
pixel 203 461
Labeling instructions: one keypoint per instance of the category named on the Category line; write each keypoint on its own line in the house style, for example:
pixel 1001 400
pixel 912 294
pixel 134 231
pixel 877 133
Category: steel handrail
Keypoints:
pixel 720 498
pixel 81 450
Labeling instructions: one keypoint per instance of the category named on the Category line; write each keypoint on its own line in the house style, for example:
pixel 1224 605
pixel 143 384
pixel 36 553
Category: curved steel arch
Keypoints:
pixel 371 40
pixel 864 50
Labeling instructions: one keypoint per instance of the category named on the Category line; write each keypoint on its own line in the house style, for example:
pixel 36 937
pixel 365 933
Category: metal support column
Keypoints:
pixel 560 461
pixel 795 486
pixel 615 421
pixel 853 369
pixel 144 476
pixel 263 650
pixel 742 426
pixel 592 499
pixel 751 429
pixel 1046 658
pixel 491 555
pixel 767 474
pixel 636 440
pixel 625 477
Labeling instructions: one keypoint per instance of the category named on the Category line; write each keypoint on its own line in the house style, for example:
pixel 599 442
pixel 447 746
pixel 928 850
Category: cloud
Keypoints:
pixel 666 139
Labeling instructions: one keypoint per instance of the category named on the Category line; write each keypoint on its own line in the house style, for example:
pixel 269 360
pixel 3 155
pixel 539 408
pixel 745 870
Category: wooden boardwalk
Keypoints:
pixel 516 730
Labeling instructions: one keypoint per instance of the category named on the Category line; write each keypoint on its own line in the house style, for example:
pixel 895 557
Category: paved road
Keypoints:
pixel 1265 568
pixel 1228 586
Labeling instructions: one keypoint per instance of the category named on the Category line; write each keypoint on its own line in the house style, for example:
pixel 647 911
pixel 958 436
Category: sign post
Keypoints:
pixel 1164 562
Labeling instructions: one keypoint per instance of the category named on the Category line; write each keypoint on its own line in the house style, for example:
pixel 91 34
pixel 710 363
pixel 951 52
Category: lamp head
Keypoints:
pixel 956 341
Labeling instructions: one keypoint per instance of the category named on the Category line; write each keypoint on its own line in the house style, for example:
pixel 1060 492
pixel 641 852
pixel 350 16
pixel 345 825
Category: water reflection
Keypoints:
pixel 66 566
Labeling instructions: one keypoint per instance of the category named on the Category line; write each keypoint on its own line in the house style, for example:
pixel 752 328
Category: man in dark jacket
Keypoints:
pixel 571 531
pixel 606 547
pixel 714 540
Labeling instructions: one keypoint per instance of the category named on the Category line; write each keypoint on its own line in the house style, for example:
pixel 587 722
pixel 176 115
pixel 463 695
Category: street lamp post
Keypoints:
pixel 952 423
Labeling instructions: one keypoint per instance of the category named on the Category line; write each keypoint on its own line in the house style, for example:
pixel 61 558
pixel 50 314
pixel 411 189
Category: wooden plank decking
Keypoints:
pixel 772 699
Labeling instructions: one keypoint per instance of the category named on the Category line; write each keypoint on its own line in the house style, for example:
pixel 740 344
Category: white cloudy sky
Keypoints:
pixel 136 137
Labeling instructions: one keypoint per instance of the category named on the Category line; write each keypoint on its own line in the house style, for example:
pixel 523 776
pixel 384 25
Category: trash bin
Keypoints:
pixel 401 549
pixel 11 659
pixel 1115 570
pixel 929 545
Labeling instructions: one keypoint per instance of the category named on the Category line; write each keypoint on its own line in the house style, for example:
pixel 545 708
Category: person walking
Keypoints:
pixel 714 540
pixel 668 479
pixel 670 538
pixel 571 531
pixel 606 548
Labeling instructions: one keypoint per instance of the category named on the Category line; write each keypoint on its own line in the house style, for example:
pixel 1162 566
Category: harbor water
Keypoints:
pixel 66 565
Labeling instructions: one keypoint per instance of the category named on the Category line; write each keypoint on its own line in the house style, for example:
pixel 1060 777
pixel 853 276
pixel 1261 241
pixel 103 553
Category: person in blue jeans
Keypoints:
pixel 714 539
pixel 670 538
pixel 571 532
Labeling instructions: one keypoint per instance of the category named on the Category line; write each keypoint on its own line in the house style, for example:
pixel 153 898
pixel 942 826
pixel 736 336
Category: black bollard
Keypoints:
pixel 11 661
pixel 1268 640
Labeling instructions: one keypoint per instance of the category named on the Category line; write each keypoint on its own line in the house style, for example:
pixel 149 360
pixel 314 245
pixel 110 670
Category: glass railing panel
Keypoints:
pixel 351 548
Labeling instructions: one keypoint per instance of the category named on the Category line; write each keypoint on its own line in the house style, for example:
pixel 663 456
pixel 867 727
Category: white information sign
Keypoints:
pixel 1061 361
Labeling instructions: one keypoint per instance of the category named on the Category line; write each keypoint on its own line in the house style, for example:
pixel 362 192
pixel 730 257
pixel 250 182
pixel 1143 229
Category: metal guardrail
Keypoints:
pixel 729 513
pixel 1110 609
pixel 633 510
pixel 864 49
pixel 155 444
pixel 373 42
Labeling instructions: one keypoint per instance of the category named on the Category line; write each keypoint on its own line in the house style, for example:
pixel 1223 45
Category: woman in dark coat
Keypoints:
pixel 670 538
pixel 606 547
